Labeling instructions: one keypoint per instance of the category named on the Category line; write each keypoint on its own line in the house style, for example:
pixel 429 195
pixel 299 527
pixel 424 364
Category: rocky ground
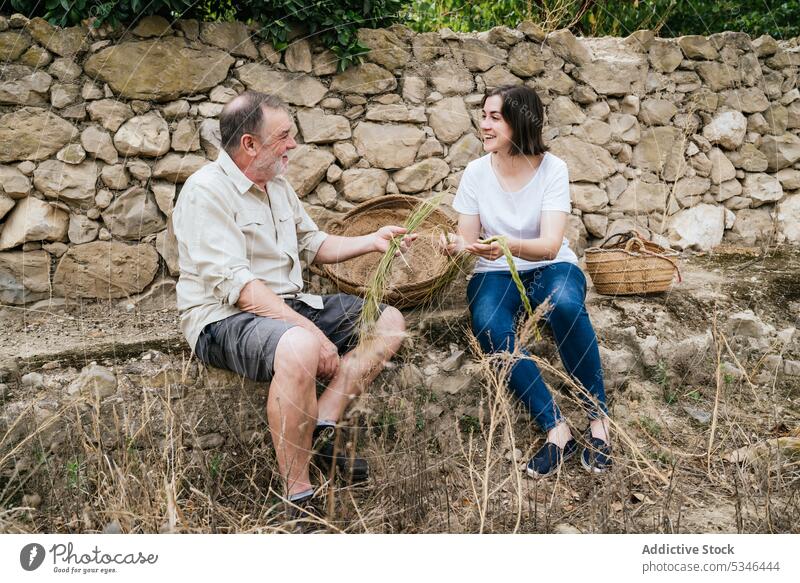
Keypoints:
pixel 108 425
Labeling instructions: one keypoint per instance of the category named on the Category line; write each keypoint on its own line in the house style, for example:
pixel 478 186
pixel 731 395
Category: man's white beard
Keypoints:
pixel 279 168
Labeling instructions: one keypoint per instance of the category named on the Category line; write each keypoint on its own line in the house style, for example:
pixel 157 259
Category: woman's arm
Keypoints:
pixel 551 237
pixel 469 229
pixel 546 246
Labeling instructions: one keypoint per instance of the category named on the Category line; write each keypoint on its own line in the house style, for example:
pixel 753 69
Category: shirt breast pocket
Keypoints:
pixel 287 233
pixel 251 217
pixel 254 223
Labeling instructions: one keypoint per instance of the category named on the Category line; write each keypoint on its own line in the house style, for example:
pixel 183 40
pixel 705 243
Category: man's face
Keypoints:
pixel 272 145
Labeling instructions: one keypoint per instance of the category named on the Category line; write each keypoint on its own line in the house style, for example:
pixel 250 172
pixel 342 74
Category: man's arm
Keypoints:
pixel 320 247
pixel 258 299
pixel 335 249
pixel 220 262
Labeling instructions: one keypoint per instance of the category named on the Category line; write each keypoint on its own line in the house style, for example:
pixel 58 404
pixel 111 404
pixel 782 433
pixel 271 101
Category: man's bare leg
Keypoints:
pixel 360 366
pixel 292 406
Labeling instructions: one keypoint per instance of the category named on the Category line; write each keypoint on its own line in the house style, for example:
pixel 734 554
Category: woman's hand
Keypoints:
pixel 490 251
pixel 384 236
pixel 451 244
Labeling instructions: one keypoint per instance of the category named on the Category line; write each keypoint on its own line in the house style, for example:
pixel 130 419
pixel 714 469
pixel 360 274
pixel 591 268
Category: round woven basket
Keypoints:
pixel 627 264
pixel 415 275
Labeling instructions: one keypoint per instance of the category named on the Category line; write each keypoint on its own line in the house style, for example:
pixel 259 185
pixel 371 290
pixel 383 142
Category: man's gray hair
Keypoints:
pixel 244 115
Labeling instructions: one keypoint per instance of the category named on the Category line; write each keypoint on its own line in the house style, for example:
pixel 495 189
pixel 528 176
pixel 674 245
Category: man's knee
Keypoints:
pixel 392 321
pixel 297 353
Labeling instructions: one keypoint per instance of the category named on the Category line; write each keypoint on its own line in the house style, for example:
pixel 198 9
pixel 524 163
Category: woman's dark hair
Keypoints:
pixel 523 111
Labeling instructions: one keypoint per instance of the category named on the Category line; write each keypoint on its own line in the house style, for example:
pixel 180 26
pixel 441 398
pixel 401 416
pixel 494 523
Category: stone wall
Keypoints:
pixel 693 139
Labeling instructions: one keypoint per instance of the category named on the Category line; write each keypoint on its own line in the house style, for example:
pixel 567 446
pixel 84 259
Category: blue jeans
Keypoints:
pixel 495 305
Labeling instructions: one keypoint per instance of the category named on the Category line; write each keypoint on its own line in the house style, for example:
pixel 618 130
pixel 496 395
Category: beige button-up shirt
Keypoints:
pixel 231 232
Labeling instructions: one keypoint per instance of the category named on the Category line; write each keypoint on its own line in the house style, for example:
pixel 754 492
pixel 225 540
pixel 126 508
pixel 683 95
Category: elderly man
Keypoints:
pixel 241 231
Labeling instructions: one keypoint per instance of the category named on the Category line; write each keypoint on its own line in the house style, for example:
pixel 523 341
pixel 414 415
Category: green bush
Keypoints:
pixel 72 12
pixel 755 17
pixel 335 22
pixel 463 16
pixel 781 19
pixel 672 18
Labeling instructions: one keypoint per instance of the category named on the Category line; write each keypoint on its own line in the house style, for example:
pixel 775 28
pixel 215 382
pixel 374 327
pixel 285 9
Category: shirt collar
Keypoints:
pixel 240 181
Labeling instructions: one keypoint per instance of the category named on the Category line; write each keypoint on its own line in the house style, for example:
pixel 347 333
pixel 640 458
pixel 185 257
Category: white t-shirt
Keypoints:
pixel 514 214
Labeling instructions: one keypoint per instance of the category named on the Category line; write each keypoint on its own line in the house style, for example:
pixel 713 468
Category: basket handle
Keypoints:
pixel 621 236
pixel 674 265
pixel 317 270
pixel 677 270
pixel 638 243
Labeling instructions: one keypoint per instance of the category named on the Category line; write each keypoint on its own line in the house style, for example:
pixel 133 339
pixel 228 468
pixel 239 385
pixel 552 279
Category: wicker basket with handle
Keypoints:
pixel 626 264
pixel 416 275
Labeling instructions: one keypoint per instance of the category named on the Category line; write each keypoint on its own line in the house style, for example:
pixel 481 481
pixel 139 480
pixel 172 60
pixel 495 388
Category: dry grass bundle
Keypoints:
pixel 379 282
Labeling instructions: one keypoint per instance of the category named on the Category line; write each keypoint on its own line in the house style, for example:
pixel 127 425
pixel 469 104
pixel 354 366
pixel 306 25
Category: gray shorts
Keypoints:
pixel 246 343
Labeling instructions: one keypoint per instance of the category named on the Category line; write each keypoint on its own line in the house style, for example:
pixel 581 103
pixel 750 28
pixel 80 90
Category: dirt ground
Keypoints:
pixel 706 416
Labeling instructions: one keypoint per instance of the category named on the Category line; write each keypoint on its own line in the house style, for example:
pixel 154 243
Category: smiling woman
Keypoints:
pixel 519 193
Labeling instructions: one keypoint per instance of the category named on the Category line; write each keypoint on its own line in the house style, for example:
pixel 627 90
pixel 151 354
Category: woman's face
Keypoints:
pixel 496 133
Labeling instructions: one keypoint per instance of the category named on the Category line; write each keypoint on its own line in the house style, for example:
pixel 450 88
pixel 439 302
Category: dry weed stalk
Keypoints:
pixel 494 368
pixel 687 131
pixel 558 14
pixel 717 393
pixel 140 466
pixel 638 456
pixel 580 394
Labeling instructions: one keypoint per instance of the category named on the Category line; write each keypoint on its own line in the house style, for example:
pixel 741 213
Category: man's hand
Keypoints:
pixel 257 298
pixel 384 236
pixel 328 358
pixel 490 251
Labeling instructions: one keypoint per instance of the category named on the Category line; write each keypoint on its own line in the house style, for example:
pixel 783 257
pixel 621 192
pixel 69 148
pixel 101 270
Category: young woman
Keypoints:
pixel 520 191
